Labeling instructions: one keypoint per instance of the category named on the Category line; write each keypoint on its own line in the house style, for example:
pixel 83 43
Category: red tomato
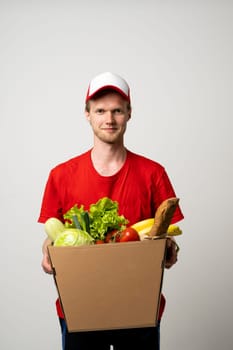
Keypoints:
pixel 110 236
pixel 99 241
pixel 127 235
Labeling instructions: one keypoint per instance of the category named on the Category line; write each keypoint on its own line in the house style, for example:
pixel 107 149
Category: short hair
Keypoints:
pixel 101 94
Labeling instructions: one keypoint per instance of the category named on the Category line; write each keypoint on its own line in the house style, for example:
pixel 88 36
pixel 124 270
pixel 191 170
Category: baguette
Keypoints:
pixel 163 217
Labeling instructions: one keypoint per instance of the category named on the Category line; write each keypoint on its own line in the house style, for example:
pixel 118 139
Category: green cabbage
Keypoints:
pixel 73 237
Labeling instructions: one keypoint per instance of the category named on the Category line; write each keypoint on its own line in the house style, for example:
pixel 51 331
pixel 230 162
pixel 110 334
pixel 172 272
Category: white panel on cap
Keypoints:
pixel 108 79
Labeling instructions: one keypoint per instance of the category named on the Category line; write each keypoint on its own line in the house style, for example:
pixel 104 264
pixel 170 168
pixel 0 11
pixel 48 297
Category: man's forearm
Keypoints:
pixel 47 242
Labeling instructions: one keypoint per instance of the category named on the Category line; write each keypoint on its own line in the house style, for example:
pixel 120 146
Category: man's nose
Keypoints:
pixel 110 116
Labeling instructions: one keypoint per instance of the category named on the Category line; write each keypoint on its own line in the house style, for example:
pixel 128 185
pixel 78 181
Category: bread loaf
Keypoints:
pixel 163 217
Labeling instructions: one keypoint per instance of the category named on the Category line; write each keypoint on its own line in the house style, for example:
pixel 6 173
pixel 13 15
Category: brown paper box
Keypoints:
pixel 109 286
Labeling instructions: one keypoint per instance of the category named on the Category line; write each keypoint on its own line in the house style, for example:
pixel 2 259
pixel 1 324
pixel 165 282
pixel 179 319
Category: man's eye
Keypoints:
pixel 117 111
pixel 100 111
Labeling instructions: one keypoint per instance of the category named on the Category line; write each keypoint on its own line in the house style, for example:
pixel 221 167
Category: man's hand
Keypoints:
pixel 171 255
pixel 46 265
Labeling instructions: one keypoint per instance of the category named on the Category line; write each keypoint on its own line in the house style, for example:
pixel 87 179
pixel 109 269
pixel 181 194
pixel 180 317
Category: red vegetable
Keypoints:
pixel 127 235
pixel 99 241
pixel 111 236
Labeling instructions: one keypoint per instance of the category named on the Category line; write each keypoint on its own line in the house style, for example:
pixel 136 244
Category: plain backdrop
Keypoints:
pixel 177 57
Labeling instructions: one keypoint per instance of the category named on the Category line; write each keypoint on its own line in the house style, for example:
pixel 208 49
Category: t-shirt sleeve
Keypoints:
pixel 165 190
pixel 51 204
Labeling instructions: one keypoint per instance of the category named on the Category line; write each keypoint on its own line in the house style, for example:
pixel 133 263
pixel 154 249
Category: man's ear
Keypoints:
pixel 87 115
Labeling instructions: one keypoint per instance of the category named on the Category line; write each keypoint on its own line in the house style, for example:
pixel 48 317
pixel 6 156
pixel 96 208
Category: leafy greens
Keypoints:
pixel 101 218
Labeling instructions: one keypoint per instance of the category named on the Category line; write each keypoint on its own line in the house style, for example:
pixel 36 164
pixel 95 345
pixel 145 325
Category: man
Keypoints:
pixel 109 169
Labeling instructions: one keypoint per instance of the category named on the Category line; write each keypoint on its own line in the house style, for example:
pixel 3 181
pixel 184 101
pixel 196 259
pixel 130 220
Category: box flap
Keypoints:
pixel 109 286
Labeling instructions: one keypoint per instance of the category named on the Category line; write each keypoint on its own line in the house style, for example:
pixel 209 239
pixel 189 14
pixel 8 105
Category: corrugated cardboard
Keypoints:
pixel 109 286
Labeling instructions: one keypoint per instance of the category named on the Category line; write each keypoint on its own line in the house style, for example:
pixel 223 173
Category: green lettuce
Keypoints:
pixel 101 218
pixel 104 217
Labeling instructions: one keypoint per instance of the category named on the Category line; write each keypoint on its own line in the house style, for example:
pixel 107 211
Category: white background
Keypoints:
pixel 177 57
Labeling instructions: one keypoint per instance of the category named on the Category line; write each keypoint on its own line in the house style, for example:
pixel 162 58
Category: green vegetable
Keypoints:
pixel 73 237
pixel 53 227
pixel 86 221
pixel 76 222
pixel 104 217
pixel 77 217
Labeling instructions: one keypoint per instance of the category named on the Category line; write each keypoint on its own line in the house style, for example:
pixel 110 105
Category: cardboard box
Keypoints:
pixel 109 286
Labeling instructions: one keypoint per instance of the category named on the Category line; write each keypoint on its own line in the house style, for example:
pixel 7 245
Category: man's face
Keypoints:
pixel 108 116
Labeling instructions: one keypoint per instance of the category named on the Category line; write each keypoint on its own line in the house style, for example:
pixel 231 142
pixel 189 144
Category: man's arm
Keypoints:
pixel 45 261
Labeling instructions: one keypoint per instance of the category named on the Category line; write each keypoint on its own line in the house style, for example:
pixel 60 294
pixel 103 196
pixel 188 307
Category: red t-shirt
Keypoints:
pixel 139 187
